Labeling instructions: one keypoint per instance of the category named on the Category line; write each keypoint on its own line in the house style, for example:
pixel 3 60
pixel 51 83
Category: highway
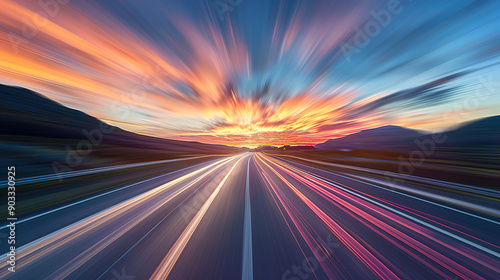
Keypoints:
pixel 258 216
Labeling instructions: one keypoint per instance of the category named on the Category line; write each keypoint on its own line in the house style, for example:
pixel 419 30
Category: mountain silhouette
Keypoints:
pixel 27 113
pixel 481 135
pixel 384 137
pixel 37 131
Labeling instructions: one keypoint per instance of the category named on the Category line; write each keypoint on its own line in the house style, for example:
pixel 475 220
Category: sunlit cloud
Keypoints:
pixel 278 77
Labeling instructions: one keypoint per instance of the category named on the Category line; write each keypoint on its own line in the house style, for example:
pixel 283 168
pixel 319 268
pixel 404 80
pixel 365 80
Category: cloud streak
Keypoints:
pixel 270 73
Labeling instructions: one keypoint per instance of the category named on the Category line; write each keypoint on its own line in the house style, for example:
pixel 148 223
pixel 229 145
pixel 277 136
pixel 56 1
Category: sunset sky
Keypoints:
pixel 249 73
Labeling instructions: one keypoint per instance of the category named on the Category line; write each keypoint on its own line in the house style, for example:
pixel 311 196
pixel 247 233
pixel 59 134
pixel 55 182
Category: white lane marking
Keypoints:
pixel 99 195
pixel 247 268
pixel 167 264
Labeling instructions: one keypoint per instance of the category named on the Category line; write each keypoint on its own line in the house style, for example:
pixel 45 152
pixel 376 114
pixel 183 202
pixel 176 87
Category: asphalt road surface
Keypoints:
pixel 255 216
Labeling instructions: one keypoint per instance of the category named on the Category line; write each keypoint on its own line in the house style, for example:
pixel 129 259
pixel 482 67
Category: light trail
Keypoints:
pixel 350 177
pixel 361 252
pixel 100 195
pixel 261 216
pixel 354 203
pixel 171 258
pixel 37 249
pixel 449 185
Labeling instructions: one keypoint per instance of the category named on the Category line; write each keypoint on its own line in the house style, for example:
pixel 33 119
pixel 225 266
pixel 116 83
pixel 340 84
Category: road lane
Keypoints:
pixel 54 218
pixel 102 229
pixel 145 256
pixel 247 262
pixel 406 226
pixel 308 219
pixel 411 201
pixel 253 216
pixel 164 176
pixel 167 264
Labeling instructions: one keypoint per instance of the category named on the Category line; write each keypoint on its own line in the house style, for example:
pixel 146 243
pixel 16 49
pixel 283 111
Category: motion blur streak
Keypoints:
pixel 168 262
pixel 471 189
pixel 364 255
pixel 302 73
pixel 206 222
pixel 70 174
pixel 355 204
pixel 313 179
pixel 143 205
